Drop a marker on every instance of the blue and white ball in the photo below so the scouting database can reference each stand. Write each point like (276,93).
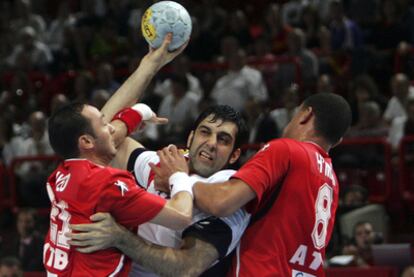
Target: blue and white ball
(166,17)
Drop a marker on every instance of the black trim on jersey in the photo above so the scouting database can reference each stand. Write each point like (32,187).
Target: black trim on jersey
(133,157)
(214,231)
(131,162)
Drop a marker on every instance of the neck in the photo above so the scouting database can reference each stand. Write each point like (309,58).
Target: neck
(103,161)
(320,142)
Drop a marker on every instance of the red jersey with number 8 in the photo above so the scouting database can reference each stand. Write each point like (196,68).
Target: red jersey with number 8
(290,239)
(79,188)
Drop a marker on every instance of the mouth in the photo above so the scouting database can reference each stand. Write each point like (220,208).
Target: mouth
(205,156)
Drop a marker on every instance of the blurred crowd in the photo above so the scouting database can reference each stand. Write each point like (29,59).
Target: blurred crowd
(261,57)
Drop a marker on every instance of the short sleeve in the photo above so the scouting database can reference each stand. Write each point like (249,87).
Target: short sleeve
(129,204)
(138,164)
(267,167)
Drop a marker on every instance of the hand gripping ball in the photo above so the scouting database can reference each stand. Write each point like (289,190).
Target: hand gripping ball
(166,17)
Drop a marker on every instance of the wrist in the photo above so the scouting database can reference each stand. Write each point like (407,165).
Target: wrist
(180,181)
(130,117)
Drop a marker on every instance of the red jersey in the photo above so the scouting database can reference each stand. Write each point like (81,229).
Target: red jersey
(79,188)
(290,239)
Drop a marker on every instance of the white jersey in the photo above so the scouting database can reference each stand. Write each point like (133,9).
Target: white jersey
(227,230)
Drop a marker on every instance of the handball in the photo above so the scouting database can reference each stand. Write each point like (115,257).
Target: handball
(166,17)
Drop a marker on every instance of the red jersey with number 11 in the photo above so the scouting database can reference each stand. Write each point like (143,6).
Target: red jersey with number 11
(77,190)
(290,239)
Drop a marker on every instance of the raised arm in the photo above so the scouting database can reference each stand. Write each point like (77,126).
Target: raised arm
(193,258)
(132,89)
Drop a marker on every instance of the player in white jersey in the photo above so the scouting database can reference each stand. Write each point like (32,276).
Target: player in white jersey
(227,230)
(213,145)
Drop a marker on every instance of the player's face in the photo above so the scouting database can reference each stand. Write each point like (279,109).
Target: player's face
(211,146)
(104,145)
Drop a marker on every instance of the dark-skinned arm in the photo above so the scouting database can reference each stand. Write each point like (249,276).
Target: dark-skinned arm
(222,199)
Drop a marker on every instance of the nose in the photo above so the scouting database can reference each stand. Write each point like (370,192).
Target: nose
(212,141)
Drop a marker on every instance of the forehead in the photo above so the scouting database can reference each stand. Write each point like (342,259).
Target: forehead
(219,125)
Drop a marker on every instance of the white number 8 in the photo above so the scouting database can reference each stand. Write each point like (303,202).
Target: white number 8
(323,214)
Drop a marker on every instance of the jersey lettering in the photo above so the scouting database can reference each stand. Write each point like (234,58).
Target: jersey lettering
(300,257)
(59,216)
(322,216)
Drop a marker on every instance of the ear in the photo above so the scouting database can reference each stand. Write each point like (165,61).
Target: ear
(86,142)
(190,139)
(235,156)
(306,115)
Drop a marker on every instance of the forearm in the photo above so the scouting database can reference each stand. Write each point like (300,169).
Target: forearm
(222,199)
(177,213)
(166,261)
(131,90)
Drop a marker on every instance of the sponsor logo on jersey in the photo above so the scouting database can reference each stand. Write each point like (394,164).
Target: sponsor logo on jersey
(62,181)
(296,273)
(122,187)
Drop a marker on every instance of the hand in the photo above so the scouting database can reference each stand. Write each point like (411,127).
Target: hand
(102,234)
(171,161)
(148,115)
(161,56)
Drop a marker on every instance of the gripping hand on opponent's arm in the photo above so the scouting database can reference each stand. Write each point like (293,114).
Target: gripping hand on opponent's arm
(171,161)
(102,234)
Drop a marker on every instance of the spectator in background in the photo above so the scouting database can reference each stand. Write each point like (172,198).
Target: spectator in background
(99,98)
(30,51)
(363,89)
(400,88)
(345,33)
(25,17)
(238,27)
(33,174)
(239,84)
(82,87)
(10,267)
(290,100)
(307,59)
(361,244)
(181,110)
(324,84)
(105,79)
(275,30)
(55,35)
(58,101)
(26,243)
(354,196)
(261,125)
(311,25)
(181,67)
(370,123)
(402,125)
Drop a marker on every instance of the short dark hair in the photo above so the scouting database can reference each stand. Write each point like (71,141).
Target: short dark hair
(332,115)
(66,125)
(226,114)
